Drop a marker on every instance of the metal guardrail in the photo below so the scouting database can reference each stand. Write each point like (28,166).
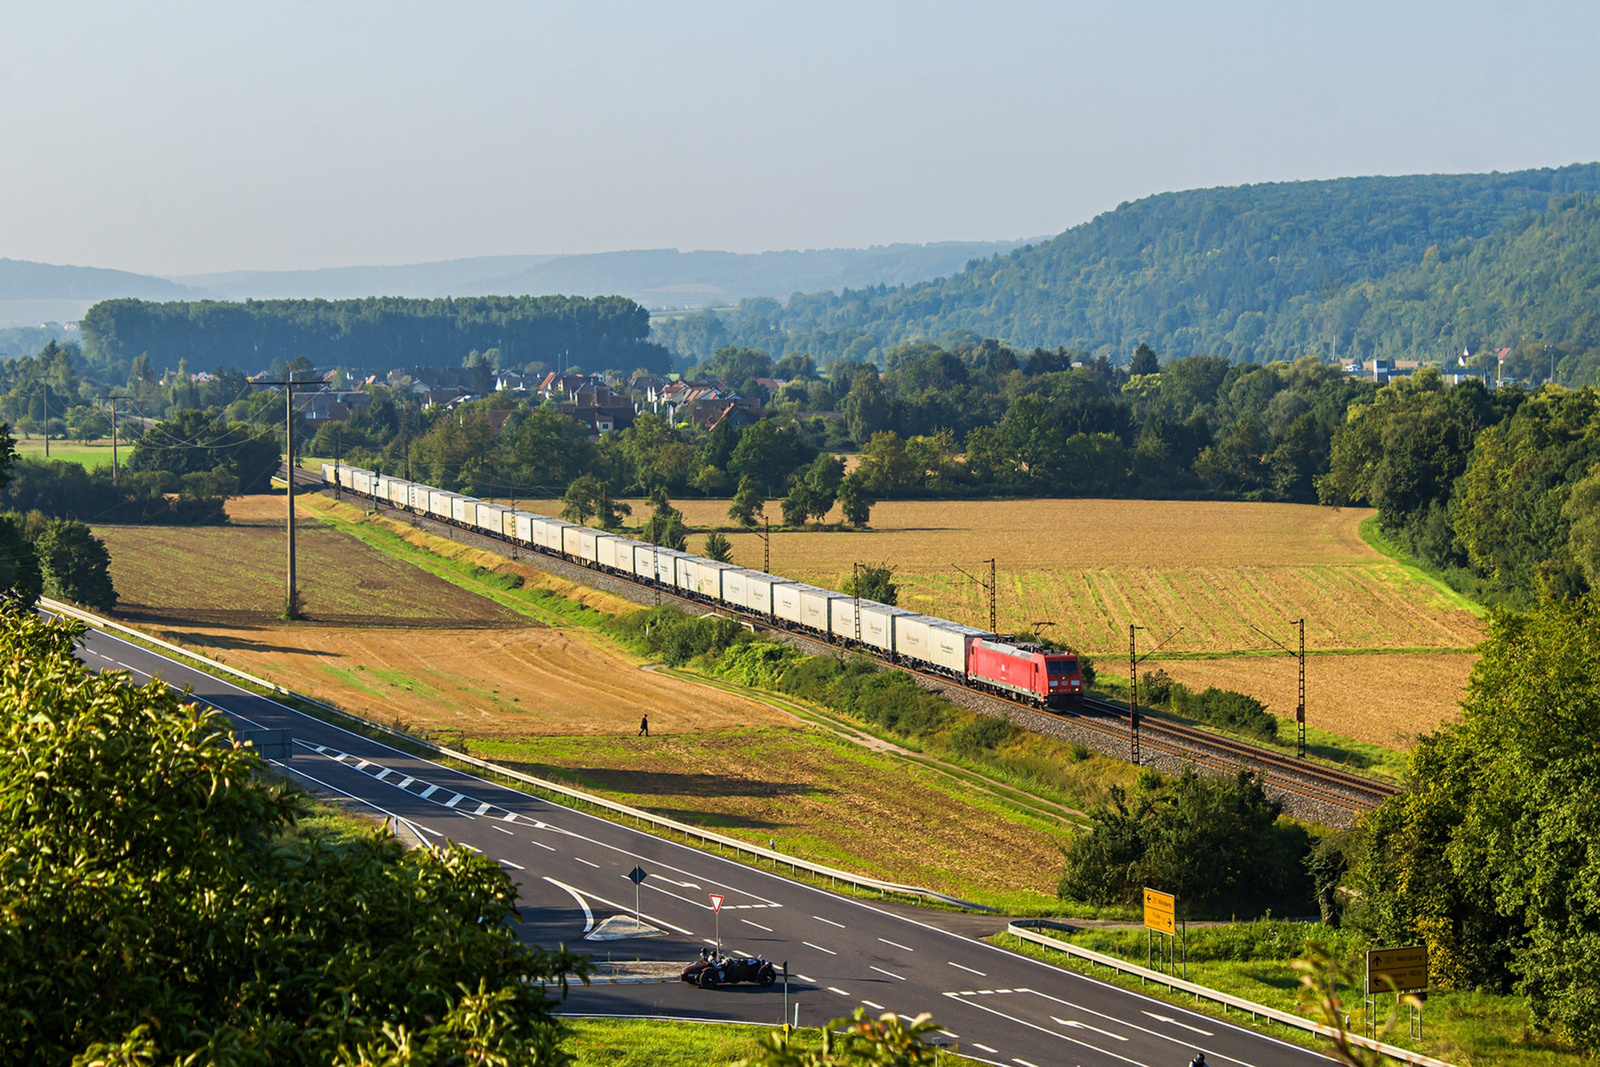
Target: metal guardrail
(794,863)
(1024,929)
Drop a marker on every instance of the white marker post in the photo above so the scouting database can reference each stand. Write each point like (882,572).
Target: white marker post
(716,911)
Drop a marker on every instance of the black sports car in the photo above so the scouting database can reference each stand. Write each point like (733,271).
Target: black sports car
(711,969)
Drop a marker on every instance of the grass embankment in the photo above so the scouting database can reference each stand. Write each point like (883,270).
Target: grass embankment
(1448,585)
(1253,961)
(656,1043)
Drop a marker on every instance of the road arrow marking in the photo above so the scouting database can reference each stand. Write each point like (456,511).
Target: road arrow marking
(1086,1026)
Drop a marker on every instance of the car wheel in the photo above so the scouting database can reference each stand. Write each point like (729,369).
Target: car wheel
(708,978)
(768,976)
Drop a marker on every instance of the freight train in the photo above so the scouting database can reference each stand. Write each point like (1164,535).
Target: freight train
(975,658)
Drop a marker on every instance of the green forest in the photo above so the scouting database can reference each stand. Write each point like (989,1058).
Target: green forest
(1406,267)
(372,335)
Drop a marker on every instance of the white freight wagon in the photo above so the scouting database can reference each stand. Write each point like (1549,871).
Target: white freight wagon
(464,509)
(419,497)
(363,482)
(522,526)
(399,492)
(439,503)
(491,518)
(736,588)
(703,576)
(759,588)
(877,622)
(616,553)
(937,641)
(803,605)
(327,474)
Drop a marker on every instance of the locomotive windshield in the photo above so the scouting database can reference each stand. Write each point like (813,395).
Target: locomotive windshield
(1064,665)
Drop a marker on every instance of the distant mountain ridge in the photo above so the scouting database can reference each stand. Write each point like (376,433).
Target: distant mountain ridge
(1250,272)
(655,278)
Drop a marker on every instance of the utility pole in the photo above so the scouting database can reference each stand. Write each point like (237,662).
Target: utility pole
(1300,704)
(113,399)
(766,544)
(855,589)
(1133,695)
(291,603)
(990,587)
(1134,659)
(44,402)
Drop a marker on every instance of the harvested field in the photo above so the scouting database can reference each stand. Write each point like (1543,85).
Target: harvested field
(818,798)
(501,683)
(1091,567)
(233,576)
(1388,700)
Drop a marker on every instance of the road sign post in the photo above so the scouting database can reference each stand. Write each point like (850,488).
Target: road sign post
(1161,917)
(637,877)
(716,912)
(1398,971)
(786,994)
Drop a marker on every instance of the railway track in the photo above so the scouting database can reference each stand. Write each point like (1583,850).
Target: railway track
(1339,789)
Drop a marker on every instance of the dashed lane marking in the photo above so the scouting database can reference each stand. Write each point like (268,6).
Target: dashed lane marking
(830,922)
(969,970)
(896,944)
(586,863)
(819,948)
(758,926)
(836,989)
(873,1006)
(503,830)
(891,974)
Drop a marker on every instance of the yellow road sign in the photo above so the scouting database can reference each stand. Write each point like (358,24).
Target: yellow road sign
(1397,969)
(1160,911)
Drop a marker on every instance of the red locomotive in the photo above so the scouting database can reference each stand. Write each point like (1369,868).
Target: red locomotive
(1050,678)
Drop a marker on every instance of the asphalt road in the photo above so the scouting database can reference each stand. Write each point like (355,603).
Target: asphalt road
(572,869)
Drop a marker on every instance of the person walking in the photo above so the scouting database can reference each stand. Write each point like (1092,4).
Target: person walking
(644,726)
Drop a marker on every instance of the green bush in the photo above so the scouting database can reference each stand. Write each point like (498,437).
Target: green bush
(980,735)
(1216,843)
(1226,709)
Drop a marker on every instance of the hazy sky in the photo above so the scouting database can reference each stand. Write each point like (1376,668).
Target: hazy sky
(172,138)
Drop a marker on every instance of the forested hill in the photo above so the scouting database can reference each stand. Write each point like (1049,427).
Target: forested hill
(1248,272)
(372,335)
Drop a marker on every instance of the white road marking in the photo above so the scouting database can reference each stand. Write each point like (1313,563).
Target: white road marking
(1135,1026)
(588,916)
(969,970)
(481,808)
(836,989)
(986,1048)
(381,775)
(758,926)
(503,830)
(514,866)
(830,922)
(453,801)
(1086,1026)
(363,765)
(428,792)
(896,944)
(682,885)
(875,1007)
(804,978)
(625,908)
(1025,1063)
(510,816)
(586,863)
(891,974)
(541,844)
(404,782)
(1053,1033)
(1174,1022)
(819,948)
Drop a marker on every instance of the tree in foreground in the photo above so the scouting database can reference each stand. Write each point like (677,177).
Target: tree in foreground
(1488,858)
(161,902)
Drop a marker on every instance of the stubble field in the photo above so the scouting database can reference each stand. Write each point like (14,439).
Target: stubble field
(1201,576)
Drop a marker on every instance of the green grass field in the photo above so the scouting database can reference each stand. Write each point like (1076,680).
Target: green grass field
(655,1043)
(92,455)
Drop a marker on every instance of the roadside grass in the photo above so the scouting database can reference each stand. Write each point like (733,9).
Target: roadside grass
(818,797)
(1252,960)
(599,1042)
